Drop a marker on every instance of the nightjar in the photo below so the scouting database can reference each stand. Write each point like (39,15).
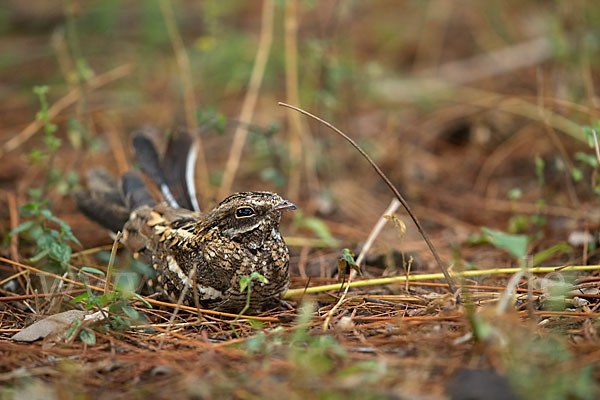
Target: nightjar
(203,255)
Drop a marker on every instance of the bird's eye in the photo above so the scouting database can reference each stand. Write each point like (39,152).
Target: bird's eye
(244,212)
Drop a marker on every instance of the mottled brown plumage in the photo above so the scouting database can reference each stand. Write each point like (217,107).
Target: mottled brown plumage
(203,255)
(239,237)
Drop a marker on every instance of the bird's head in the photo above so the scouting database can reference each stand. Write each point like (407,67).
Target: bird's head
(248,213)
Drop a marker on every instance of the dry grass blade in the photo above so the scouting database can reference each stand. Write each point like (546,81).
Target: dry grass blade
(14,222)
(291,88)
(258,71)
(394,204)
(596,147)
(183,63)
(393,188)
(113,253)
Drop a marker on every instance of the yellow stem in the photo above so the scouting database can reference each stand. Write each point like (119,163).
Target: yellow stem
(386,281)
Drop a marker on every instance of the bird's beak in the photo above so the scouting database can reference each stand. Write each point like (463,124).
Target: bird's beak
(285,205)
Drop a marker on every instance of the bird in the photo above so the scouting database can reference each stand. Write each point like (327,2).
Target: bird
(201,258)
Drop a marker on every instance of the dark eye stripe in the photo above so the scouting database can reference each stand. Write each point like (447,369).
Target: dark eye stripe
(244,212)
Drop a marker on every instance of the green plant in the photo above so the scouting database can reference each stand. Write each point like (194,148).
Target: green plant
(589,161)
(49,242)
(531,363)
(246,286)
(114,304)
(314,355)
(246,283)
(63,181)
(39,156)
(517,245)
(347,261)
(50,234)
(209,118)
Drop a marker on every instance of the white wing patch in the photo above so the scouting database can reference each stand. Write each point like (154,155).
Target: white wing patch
(174,267)
(204,292)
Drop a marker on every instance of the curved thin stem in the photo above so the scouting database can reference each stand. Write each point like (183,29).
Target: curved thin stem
(438,260)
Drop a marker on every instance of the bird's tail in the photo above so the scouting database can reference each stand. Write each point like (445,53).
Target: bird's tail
(110,203)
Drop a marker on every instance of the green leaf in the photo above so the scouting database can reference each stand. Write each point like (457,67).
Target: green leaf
(481,328)
(88,337)
(514,244)
(137,266)
(69,235)
(588,159)
(476,239)
(538,219)
(108,298)
(34,193)
(259,277)
(131,312)
(515,194)
(540,203)
(25,226)
(142,299)
(43,239)
(40,90)
(36,231)
(61,251)
(81,297)
(92,270)
(126,282)
(36,156)
(83,69)
(120,323)
(348,257)
(244,282)
(209,118)
(517,223)
(543,255)
(39,256)
(71,331)
(539,169)
(30,207)
(577,174)
(91,303)
(44,212)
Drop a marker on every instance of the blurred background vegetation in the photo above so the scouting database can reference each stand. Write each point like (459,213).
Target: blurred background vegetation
(431,89)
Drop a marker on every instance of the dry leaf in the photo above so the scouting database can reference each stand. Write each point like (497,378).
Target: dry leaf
(49,327)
